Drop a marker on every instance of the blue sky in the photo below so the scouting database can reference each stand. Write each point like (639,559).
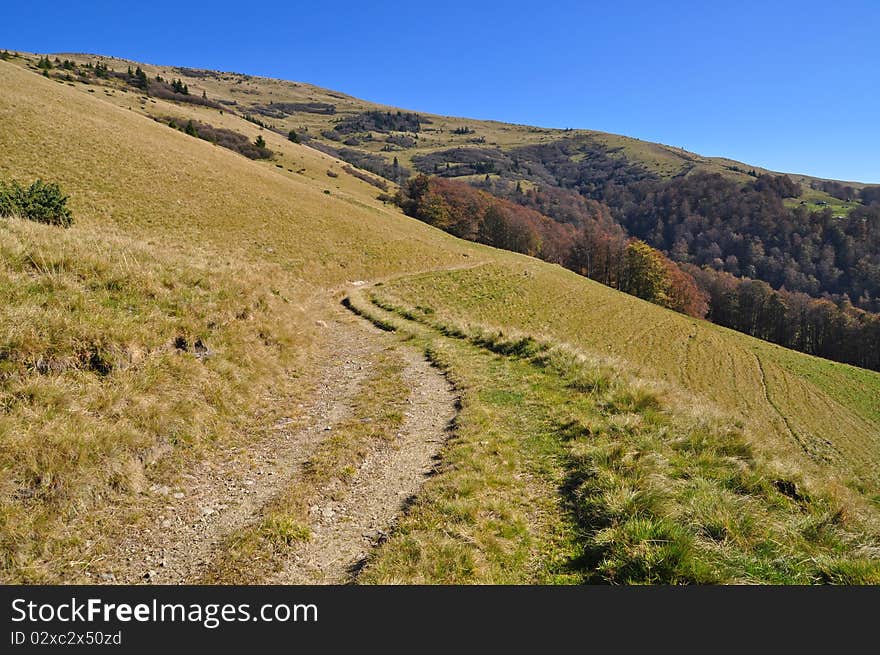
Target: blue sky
(792,86)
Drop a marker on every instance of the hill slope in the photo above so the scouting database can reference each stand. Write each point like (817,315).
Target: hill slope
(106,397)
(711,212)
(315,112)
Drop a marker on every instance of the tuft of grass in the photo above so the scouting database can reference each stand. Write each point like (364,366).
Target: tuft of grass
(379,322)
(282,532)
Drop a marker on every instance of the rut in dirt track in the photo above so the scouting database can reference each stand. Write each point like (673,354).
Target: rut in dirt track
(346,528)
(227,493)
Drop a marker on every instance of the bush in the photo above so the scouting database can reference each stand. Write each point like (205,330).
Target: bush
(365,160)
(40,202)
(369,179)
(378,121)
(222,137)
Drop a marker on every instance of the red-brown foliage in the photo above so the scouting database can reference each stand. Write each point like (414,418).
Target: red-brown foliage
(590,244)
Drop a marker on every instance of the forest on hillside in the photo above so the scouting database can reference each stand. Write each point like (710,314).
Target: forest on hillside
(705,219)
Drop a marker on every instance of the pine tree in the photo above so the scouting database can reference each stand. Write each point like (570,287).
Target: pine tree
(260,142)
(141,79)
(292,136)
(191,129)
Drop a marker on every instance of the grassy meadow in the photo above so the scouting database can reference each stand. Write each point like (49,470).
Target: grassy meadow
(118,365)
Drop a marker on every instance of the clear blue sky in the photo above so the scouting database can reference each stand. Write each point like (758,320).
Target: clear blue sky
(792,86)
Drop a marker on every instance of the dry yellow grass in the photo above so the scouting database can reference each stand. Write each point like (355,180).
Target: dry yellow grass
(118,365)
(123,169)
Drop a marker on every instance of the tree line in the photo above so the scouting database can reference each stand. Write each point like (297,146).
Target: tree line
(817,326)
(746,229)
(591,245)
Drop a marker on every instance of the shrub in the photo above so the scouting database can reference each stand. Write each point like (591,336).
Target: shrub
(222,137)
(401,140)
(40,202)
(369,179)
(378,121)
(307,107)
(365,160)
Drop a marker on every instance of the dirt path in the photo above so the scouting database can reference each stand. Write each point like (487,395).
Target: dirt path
(346,529)
(225,493)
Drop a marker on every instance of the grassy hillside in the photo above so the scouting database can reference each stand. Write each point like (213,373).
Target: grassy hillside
(567,469)
(313,111)
(183,311)
(174,238)
(796,404)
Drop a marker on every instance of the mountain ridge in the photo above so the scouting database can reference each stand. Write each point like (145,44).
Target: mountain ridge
(721,162)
